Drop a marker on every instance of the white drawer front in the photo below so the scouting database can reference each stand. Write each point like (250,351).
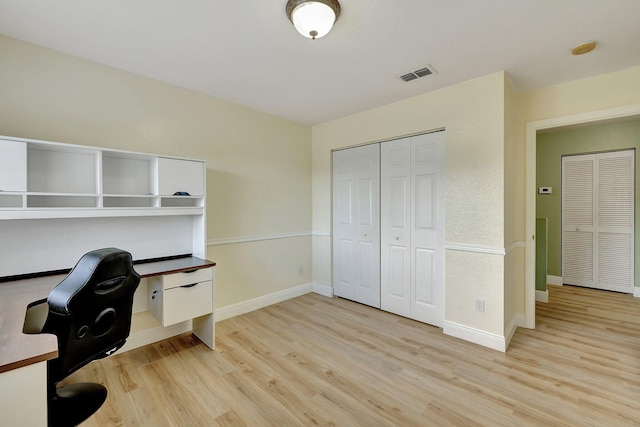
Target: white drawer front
(182,304)
(187,278)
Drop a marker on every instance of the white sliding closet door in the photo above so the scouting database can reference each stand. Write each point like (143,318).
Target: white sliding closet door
(412,227)
(356,224)
(598,210)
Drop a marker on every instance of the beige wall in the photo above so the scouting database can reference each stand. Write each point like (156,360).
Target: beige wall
(514,228)
(608,91)
(581,96)
(258,166)
(473,115)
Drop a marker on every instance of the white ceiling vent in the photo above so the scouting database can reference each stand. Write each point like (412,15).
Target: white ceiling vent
(422,72)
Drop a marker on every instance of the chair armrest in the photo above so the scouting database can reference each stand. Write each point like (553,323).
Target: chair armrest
(35,317)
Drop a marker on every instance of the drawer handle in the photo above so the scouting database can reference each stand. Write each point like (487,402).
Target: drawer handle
(189,286)
(190,271)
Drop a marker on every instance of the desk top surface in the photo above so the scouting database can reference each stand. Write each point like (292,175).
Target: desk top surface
(18,349)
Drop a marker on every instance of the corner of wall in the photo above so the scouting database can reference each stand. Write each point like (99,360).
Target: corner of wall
(476,336)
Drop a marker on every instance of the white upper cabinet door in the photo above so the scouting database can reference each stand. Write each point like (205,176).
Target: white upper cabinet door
(427,228)
(13,166)
(395,226)
(175,175)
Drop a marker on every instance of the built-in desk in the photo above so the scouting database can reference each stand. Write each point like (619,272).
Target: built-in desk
(23,357)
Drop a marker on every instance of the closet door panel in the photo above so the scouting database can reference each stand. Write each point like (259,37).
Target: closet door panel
(427,228)
(615,209)
(397,294)
(425,275)
(343,224)
(356,224)
(578,218)
(344,284)
(395,226)
(367,232)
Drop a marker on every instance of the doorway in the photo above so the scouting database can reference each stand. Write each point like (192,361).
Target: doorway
(532,129)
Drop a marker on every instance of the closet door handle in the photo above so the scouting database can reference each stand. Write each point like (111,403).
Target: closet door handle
(364,234)
(397,237)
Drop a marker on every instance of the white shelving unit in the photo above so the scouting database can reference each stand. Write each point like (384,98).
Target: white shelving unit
(58,201)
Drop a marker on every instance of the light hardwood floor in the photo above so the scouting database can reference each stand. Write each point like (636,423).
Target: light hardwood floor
(322,361)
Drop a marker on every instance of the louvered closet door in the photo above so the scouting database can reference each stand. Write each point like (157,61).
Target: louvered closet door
(578,218)
(356,224)
(615,226)
(598,220)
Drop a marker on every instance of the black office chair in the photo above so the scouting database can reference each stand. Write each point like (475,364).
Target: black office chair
(90,314)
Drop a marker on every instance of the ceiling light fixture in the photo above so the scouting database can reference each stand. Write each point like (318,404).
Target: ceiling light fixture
(313,18)
(583,48)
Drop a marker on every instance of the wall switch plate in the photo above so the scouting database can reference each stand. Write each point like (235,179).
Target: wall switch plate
(480,305)
(544,190)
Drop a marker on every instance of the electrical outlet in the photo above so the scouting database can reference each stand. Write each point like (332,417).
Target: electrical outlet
(300,271)
(480,305)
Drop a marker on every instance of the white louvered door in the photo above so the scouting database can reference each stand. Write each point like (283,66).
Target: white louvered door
(598,220)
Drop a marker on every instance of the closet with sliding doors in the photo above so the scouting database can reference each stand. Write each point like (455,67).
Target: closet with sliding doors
(388,226)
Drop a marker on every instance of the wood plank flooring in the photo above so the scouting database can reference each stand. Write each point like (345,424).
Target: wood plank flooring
(317,361)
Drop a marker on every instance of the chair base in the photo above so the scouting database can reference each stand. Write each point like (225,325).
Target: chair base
(74,403)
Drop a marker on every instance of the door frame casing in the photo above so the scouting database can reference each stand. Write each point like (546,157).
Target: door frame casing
(532,129)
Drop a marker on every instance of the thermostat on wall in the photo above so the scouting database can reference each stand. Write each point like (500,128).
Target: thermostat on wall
(544,190)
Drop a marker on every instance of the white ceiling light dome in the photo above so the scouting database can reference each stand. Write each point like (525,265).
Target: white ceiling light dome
(313,18)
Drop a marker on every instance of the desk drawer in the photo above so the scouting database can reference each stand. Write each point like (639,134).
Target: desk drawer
(187,278)
(184,303)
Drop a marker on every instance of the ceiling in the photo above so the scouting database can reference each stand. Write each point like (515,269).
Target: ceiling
(249,53)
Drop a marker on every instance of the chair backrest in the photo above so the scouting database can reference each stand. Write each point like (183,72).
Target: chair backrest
(90,310)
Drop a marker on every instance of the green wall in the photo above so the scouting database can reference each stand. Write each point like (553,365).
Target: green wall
(582,140)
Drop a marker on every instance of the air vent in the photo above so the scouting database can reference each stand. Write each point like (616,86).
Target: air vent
(409,77)
(422,72)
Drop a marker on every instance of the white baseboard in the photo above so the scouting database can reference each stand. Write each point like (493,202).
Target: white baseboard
(325,290)
(260,302)
(542,296)
(636,292)
(475,336)
(554,280)
(511,328)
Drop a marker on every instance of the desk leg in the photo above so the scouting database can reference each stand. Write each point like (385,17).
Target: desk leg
(204,327)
